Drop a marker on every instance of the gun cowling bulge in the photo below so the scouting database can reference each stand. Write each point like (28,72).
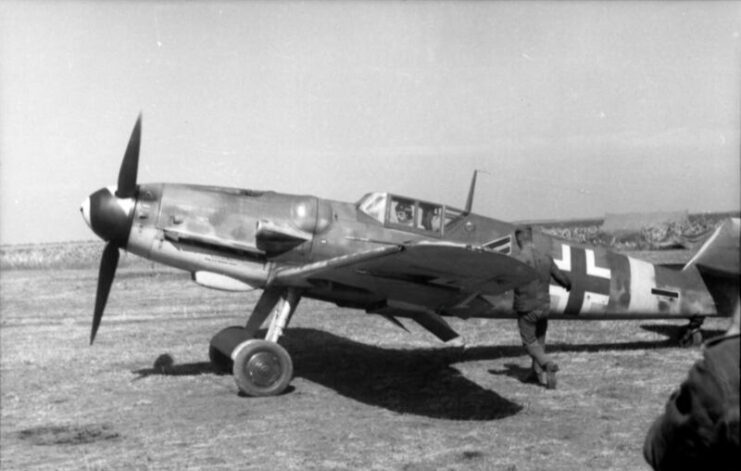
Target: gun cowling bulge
(311,215)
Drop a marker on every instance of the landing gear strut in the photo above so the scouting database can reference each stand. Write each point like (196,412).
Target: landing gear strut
(691,335)
(260,367)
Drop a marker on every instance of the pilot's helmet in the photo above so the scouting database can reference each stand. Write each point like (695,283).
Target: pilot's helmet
(404,211)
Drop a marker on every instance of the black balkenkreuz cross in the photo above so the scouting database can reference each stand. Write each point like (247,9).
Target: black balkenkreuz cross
(501,245)
(586,278)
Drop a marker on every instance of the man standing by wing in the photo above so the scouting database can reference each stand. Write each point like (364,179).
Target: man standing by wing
(532,304)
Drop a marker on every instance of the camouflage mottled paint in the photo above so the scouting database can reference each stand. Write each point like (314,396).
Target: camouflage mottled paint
(248,235)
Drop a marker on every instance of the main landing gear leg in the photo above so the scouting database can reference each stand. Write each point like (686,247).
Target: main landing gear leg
(223,343)
(260,367)
(691,335)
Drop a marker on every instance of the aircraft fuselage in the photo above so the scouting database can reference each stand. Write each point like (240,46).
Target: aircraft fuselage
(247,235)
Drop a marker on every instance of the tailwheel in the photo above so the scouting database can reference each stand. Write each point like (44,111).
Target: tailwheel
(262,368)
(690,338)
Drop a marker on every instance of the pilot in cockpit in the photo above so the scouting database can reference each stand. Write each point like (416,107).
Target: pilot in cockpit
(404,213)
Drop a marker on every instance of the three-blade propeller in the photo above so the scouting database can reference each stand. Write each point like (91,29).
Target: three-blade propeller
(107,219)
(106,273)
(130,163)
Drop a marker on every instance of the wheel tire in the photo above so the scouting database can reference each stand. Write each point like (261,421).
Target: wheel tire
(222,345)
(220,363)
(262,368)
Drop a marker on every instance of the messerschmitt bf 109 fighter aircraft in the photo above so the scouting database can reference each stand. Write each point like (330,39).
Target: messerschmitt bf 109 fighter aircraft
(391,255)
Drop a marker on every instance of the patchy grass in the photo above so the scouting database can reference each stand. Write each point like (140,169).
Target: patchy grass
(366,395)
(60,255)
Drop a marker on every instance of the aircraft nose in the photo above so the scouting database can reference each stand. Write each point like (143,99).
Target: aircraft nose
(108,216)
(85,211)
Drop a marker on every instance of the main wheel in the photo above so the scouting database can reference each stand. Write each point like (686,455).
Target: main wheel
(262,368)
(220,363)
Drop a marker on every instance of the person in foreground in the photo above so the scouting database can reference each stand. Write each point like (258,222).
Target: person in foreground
(699,427)
(532,303)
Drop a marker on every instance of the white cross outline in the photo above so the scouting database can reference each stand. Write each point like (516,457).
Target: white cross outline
(564,263)
(559,295)
(593,269)
(593,302)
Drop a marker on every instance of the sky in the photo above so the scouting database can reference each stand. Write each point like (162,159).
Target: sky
(574,109)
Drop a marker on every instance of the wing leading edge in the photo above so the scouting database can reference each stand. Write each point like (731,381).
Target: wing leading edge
(430,275)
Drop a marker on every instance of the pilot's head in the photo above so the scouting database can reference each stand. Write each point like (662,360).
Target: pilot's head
(403,212)
(523,235)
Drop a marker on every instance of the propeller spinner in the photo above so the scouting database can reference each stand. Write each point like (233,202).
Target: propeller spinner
(109,212)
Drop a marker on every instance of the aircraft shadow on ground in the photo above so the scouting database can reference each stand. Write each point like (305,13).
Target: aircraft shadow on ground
(418,381)
(165,365)
(410,381)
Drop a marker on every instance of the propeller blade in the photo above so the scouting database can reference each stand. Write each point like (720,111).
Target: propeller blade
(108,264)
(130,163)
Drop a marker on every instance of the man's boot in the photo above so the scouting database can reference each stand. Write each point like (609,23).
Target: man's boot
(550,375)
(537,374)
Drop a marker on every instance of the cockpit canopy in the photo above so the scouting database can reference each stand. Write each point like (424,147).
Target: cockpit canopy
(405,213)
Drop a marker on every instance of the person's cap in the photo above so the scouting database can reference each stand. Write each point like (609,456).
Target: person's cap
(527,230)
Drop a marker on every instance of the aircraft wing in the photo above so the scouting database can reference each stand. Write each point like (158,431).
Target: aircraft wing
(428,273)
(299,274)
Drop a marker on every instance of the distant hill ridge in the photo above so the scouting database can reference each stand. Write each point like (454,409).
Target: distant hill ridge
(578,222)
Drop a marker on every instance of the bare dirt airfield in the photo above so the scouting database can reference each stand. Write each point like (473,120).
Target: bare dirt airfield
(366,395)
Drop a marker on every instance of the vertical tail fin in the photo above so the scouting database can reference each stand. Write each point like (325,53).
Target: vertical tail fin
(718,262)
(720,252)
